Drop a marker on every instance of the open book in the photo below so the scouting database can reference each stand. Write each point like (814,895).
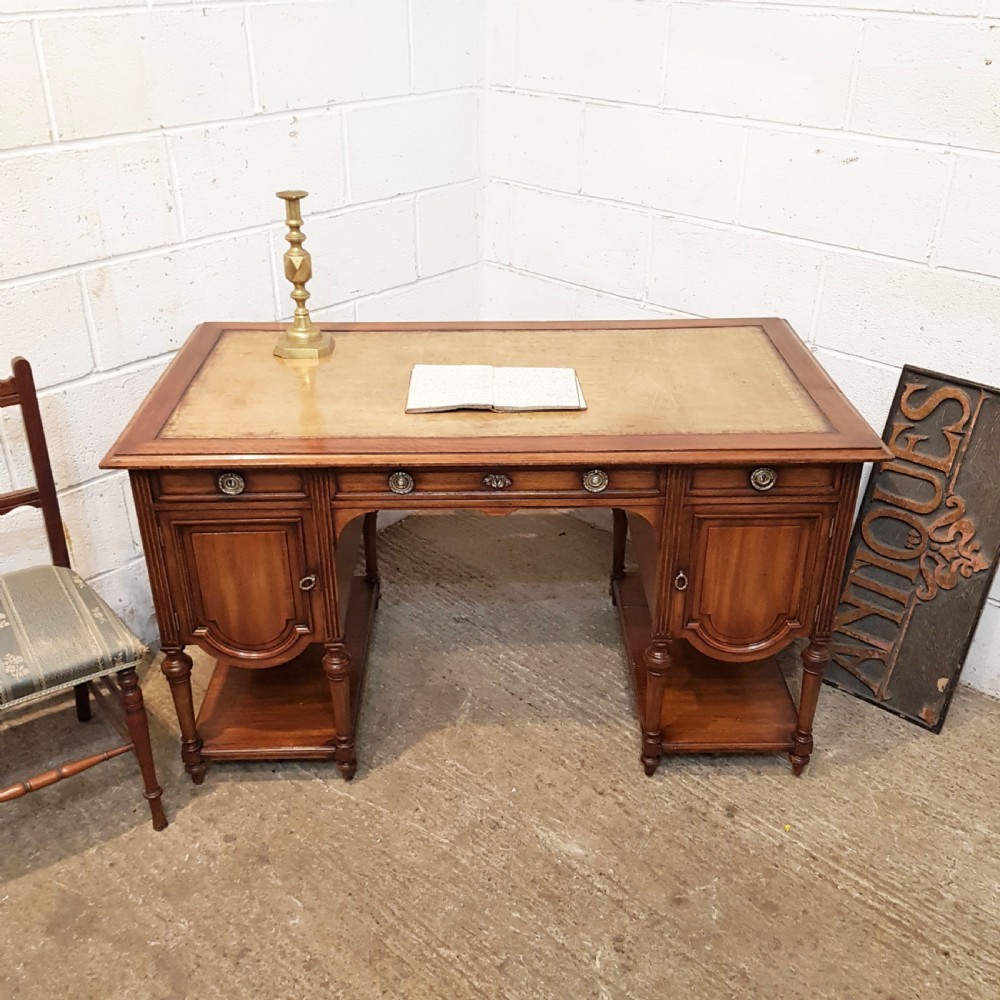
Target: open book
(434,388)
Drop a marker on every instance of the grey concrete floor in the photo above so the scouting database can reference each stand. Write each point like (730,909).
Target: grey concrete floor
(500,839)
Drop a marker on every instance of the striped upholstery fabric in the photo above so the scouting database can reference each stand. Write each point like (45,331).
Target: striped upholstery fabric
(56,632)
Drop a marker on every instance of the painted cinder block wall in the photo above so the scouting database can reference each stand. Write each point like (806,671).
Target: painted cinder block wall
(835,162)
(140,148)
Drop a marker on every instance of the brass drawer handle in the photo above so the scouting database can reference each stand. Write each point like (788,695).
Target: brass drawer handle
(497,481)
(681,581)
(401,482)
(763,479)
(595,481)
(307,582)
(231,483)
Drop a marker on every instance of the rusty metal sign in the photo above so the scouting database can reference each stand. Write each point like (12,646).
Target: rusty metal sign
(924,549)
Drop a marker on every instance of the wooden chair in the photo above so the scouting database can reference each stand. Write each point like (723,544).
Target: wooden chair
(56,633)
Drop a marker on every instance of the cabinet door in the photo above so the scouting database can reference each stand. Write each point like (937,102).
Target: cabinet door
(244,585)
(749,580)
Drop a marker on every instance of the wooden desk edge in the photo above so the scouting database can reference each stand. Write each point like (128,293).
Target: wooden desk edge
(333,460)
(850,439)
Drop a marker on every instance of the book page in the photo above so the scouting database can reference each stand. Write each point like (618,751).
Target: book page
(536,389)
(450,387)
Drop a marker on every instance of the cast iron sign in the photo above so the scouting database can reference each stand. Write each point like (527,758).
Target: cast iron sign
(924,549)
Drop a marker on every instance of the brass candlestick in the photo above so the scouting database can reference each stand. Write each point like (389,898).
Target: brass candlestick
(303,339)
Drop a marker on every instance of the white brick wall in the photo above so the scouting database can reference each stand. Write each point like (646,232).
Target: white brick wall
(833,161)
(255,157)
(25,120)
(535,139)
(836,162)
(772,65)
(599,48)
(447,230)
(70,205)
(682,163)
(850,193)
(764,275)
(141,144)
(586,242)
(94,63)
(972,217)
(399,147)
(956,103)
(317,54)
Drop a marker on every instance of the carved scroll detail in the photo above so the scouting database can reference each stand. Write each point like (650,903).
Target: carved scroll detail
(950,553)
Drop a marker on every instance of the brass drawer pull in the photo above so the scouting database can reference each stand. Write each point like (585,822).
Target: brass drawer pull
(231,483)
(497,481)
(595,481)
(681,581)
(307,582)
(763,479)
(401,482)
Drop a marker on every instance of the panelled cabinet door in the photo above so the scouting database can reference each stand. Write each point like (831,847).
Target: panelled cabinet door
(749,581)
(245,586)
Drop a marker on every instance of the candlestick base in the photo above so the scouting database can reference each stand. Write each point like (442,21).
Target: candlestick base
(291,346)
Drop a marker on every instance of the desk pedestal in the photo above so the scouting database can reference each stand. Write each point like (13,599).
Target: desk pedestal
(709,706)
(283,712)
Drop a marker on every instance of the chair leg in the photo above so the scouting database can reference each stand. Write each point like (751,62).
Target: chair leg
(82,692)
(138,730)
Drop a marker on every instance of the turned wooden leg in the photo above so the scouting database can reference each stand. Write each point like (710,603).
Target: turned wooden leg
(176,668)
(337,667)
(369,530)
(814,660)
(619,536)
(138,730)
(82,693)
(657,661)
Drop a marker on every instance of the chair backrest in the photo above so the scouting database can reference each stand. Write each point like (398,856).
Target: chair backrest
(19,390)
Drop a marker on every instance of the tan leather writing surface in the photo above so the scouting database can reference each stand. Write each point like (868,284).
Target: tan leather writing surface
(714,380)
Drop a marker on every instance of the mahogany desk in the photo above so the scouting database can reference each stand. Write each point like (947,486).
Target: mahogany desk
(721,446)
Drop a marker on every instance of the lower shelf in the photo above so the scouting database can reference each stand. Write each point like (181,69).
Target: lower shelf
(284,712)
(709,706)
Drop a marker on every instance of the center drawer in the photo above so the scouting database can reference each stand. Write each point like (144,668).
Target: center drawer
(488,481)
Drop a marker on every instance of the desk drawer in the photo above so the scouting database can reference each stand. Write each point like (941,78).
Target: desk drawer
(494,481)
(214,484)
(764,480)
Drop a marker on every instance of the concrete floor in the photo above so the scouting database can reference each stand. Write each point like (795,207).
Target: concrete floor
(500,839)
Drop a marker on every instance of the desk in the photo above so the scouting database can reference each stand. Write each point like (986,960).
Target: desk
(721,447)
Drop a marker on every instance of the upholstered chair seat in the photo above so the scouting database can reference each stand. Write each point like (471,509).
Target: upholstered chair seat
(55,633)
